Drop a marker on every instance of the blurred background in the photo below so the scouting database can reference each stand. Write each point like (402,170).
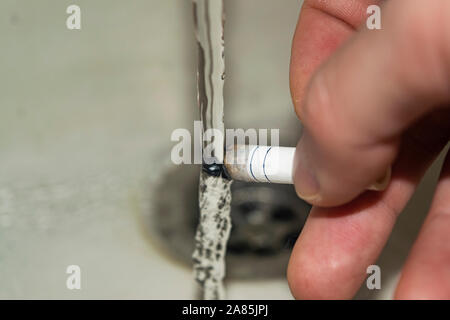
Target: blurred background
(85,172)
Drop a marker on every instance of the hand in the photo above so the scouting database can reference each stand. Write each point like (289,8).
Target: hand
(369,100)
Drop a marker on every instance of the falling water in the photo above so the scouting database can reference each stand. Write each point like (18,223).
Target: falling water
(214,190)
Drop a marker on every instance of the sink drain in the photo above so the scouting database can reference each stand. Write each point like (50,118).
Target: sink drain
(266,218)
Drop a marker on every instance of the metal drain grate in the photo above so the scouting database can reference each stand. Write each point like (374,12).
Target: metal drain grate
(267,220)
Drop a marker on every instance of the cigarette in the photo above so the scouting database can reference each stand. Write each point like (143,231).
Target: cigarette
(254,163)
(271,164)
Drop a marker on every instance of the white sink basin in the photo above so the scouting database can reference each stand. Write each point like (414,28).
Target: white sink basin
(85,125)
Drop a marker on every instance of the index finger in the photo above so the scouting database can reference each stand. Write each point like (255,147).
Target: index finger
(322,27)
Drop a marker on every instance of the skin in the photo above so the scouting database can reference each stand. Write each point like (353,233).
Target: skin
(370,100)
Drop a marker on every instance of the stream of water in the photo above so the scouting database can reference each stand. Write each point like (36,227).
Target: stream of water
(214,191)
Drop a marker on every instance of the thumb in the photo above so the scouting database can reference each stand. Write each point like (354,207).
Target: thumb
(366,95)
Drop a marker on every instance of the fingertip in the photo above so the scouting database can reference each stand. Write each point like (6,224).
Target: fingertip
(313,276)
(315,184)
(305,179)
(305,280)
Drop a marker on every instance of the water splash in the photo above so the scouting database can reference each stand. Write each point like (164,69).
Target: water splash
(214,191)
(212,234)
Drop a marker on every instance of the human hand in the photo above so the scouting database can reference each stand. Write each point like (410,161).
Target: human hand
(369,100)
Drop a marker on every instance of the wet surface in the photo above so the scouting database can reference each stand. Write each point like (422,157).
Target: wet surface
(266,220)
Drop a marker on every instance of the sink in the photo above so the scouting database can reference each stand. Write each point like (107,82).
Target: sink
(85,146)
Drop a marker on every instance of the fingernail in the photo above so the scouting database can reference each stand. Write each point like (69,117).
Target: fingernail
(382,183)
(306,183)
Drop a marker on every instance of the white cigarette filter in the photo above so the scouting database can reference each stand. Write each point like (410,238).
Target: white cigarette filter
(260,163)
(271,164)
